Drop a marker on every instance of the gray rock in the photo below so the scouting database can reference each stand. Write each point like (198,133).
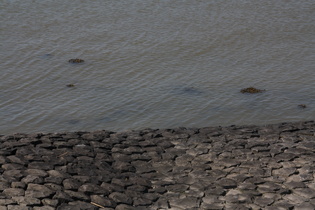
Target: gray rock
(71,184)
(21,200)
(50,202)
(38,191)
(125,207)
(14,192)
(120,198)
(103,201)
(77,195)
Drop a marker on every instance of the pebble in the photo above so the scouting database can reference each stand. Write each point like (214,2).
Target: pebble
(236,167)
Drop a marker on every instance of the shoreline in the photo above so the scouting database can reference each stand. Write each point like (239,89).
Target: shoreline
(233,167)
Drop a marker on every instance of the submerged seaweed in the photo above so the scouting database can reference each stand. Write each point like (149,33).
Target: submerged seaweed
(76,60)
(251,90)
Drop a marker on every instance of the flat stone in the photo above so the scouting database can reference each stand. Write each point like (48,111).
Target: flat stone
(227,183)
(62,197)
(142,202)
(294,199)
(12,175)
(125,207)
(304,206)
(38,191)
(12,166)
(26,200)
(33,179)
(71,184)
(18,207)
(18,185)
(187,203)
(36,172)
(120,198)
(305,192)
(14,192)
(5,202)
(103,201)
(4,185)
(93,188)
(43,208)
(77,195)
(50,202)
(263,201)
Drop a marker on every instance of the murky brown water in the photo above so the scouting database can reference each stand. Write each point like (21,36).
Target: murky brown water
(155,63)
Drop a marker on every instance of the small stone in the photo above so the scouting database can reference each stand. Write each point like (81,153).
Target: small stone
(50,202)
(4,185)
(21,200)
(33,179)
(19,207)
(187,203)
(38,191)
(43,208)
(62,197)
(77,195)
(36,172)
(14,192)
(227,183)
(18,185)
(304,206)
(13,166)
(263,201)
(12,175)
(71,184)
(120,198)
(93,188)
(103,201)
(124,207)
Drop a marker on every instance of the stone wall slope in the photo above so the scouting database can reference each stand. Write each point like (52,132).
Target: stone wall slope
(236,167)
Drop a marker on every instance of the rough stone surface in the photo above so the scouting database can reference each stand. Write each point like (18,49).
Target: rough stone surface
(236,167)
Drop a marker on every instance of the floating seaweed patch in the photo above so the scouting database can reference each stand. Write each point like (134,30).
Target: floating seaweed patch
(302,106)
(251,90)
(76,60)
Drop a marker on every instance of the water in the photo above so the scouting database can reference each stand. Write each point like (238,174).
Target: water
(157,63)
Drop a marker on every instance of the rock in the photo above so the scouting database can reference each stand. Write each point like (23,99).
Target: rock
(103,201)
(120,198)
(21,200)
(71,184)
(13,192)
(77,195)
(38,191)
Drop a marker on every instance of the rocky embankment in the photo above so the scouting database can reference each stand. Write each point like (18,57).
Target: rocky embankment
(236,167)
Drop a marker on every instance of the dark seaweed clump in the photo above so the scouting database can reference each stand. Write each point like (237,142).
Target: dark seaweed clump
(251,90)
(76,60)
(303,106)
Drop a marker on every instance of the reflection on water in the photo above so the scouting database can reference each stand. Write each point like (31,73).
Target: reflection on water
(154,64)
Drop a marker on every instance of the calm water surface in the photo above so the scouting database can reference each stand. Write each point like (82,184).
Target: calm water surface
(154,63)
